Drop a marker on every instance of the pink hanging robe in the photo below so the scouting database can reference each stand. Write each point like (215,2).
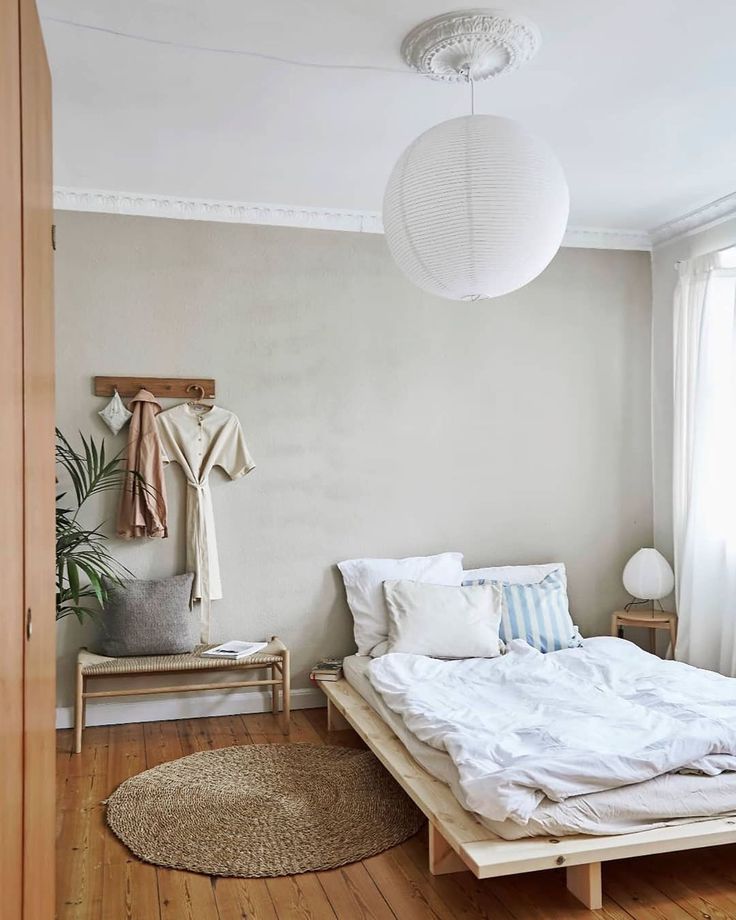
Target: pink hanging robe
(143,501)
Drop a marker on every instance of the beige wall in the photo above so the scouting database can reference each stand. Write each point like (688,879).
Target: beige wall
(383,421)
(664,279)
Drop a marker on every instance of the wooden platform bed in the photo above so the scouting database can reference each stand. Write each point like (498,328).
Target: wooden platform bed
(458,842)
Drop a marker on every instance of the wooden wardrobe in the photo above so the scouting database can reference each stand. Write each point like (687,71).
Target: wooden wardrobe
(27,483)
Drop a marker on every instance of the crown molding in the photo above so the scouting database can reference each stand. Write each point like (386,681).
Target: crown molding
(233,212)
(239,212)
(709,215)
(606,238)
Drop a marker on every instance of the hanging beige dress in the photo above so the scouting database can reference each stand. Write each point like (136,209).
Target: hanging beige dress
(198,439)
(142,511)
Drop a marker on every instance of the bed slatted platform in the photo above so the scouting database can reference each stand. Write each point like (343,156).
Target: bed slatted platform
(457,841)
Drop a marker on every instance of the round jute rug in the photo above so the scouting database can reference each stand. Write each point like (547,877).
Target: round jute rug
(263,810)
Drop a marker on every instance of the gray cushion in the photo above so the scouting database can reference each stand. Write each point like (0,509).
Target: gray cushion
(148,618)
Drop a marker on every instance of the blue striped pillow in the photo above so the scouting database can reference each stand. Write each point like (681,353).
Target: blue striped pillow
(538,613)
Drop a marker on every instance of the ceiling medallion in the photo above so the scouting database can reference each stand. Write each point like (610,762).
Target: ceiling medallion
(488,42)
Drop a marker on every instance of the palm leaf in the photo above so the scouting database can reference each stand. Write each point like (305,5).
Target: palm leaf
(71,462)
(72,573)
(95,582)
(84,562)
(79,612)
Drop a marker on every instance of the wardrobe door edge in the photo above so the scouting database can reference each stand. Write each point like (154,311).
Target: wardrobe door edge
(11,466)
(39,443)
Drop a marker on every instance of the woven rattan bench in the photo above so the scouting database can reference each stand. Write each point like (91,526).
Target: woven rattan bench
(274,659)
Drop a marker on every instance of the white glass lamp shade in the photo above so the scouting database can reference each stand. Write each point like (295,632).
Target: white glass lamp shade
(475,207)
(648,575)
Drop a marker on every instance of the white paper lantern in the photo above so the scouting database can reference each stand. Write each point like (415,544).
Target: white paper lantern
(475,207)
(648,575)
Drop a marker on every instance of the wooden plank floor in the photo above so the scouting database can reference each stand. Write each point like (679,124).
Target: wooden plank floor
(98,879)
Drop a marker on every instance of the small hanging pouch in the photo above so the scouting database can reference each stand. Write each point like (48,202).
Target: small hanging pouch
(115,415)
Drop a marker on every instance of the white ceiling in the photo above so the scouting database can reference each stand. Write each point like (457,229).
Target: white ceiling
(637,97)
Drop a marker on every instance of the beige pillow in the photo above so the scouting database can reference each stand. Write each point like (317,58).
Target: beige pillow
(444,621)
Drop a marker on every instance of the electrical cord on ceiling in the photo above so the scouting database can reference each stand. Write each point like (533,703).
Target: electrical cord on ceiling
(315,65)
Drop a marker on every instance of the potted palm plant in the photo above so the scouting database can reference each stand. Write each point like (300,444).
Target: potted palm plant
(83,560)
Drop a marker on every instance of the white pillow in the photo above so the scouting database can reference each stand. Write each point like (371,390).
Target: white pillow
(514,574)
(364,580)
(442,621)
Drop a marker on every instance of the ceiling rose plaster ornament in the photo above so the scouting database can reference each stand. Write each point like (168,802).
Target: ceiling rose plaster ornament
(489,42)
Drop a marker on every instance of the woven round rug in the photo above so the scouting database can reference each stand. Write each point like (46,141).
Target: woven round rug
(263,810)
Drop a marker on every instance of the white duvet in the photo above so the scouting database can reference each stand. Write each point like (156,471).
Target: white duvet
(526,726)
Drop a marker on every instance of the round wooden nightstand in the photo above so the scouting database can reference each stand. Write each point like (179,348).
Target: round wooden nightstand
(647,619)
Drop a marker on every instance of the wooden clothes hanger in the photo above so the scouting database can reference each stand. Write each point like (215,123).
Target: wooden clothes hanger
(199,402)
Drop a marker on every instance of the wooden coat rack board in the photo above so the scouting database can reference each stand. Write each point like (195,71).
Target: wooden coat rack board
(167,387)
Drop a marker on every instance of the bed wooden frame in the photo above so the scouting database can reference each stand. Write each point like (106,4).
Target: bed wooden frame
(457,841)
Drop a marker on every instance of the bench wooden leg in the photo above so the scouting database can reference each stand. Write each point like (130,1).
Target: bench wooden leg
(336,721)
(286,691)
(79,711)
(442,858)
(275,675)
(585,882)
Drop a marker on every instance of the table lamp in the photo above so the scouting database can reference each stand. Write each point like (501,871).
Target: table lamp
(648,577)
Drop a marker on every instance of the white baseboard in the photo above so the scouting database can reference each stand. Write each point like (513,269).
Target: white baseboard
(187,706)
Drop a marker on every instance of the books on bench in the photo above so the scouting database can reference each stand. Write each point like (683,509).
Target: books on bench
(234,650)
(327,669)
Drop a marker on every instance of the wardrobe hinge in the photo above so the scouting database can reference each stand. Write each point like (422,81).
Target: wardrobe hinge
(29,624)
(53,237)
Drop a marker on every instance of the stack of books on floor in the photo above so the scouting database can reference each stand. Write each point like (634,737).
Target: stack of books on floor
(327,669)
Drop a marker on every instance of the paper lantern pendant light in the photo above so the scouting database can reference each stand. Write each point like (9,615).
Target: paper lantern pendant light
(477,206)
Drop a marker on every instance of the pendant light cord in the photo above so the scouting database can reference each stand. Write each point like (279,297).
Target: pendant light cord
(238,52)
(465,71)
(242,52)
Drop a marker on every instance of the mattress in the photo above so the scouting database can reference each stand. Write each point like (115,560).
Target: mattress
(667,800)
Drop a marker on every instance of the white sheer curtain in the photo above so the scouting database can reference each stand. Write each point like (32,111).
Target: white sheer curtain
(704,461)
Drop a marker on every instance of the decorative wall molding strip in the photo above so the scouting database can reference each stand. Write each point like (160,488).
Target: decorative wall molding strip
(603,238)
(238,212)
(715,212)
(234,212)
(116,711)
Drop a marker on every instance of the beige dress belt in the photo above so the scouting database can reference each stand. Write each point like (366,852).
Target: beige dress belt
(201,541)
